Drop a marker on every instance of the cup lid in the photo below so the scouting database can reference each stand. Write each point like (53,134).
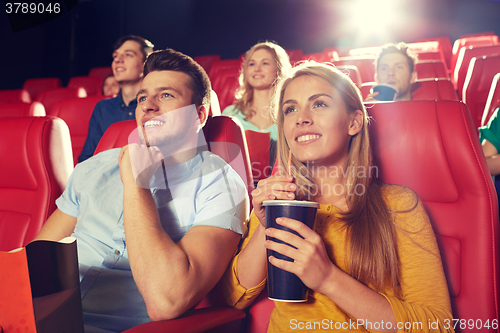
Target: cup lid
(290,203)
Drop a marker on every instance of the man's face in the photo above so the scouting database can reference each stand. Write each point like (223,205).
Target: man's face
(393,69)
(127,62)
(164,110)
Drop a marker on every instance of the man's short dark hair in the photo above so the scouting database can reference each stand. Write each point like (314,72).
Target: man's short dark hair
(171,60)
(146,45)
(401,48)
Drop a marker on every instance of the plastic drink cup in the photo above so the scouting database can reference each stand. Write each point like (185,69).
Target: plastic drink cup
(385,92)
(282,285)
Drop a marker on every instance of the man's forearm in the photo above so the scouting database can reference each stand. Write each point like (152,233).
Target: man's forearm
(159,266)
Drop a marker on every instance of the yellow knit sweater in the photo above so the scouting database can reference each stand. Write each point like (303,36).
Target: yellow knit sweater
(423,307)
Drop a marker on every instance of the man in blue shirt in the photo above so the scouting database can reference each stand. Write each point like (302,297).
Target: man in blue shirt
(156,223)
(129,55)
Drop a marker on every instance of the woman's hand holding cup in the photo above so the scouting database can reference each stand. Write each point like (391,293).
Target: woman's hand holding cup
(279,187)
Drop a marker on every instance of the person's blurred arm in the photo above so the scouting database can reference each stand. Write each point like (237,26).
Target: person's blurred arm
(58,226)
(492,157)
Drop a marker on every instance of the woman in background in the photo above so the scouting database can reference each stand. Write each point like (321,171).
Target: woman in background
(263,64)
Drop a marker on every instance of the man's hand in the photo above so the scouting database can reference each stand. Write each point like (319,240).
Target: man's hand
(138,163)
(370,97)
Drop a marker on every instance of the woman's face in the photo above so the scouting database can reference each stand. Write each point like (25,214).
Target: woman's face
(261,70)
(316,124)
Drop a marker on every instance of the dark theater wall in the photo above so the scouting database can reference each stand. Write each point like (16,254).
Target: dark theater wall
(82,38)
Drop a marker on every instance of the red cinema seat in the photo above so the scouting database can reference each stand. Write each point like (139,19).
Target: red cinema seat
(493,101)
(365,65)
(34,109)
(76,112)
(36,164)
(334,53)
(471,41)
(50,97)
(444,45)
(226,97)
(36,86)
(477,34)
(431,69)
(353,72)
(219,82)
(100,71)
(463,61)
(15,96)
(434,89)
(478,83)
(318,57)
(259,150)
(91,84)
(218,65)
(295,54)
(206,61)
(431,147)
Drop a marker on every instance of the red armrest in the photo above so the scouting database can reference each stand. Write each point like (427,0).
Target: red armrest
(198,320)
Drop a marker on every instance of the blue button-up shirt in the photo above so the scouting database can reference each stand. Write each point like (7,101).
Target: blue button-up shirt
(106,112)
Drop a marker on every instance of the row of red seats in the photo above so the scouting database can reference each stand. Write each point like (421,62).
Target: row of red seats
(49,90)
(421,154)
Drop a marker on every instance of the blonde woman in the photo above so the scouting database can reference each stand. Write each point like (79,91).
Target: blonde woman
(263,64)
(372,256)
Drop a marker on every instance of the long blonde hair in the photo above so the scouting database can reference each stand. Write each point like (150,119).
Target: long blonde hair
(244,93)
(373,257)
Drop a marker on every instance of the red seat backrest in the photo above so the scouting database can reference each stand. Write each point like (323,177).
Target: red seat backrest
(206,61)
(478,83)
(493,101)
(36,164)
(294,54)
(36,86)
(435,89)
(431,147)
(15,96)
(219,81)
(224,136)
(365,65)
(463,60)
(50,97)
(101,71)
(259,150)
(353,72)
(470,41)
(35,109)
(76,112)
(226,96)
(223,64)
(444,45)
(431,69)
(91,84)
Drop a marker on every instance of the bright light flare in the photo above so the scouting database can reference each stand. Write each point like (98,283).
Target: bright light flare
(377,18)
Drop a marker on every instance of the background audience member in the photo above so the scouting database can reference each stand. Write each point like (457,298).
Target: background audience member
(128,57)
(364,258)
(110,86)
(153,240)
(395,66)
(263,64)
(490,142)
